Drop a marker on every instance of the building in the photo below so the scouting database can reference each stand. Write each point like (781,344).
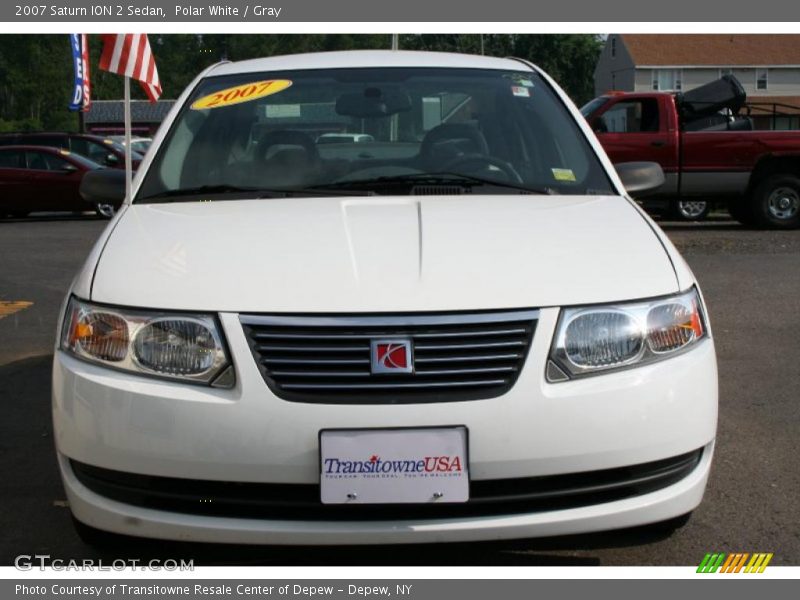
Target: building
(768,66)
(107,117)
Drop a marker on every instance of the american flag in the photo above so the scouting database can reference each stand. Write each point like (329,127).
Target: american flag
(129,54)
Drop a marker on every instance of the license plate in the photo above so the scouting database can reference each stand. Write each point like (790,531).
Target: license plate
(394,466)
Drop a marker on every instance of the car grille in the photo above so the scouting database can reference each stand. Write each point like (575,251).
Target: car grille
(302,502)
(327,359)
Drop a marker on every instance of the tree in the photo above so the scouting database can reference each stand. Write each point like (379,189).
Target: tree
(36,70)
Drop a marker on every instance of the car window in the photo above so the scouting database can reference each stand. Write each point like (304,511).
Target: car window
(593,105)
(140,146)
(634,116)
(336,127)
(43,161)
(11,159)
(90,149)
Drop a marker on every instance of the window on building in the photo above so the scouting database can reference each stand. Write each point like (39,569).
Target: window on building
(635,116)
(726,71)
(762,79)
(667,80)
(613,47)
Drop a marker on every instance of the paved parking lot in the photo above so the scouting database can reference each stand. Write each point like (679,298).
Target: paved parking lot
(752,283)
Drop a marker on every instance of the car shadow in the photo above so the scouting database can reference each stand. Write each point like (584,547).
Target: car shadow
(35,518)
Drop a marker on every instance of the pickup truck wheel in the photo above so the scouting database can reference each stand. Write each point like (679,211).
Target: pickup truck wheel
(777,202)
(692,210)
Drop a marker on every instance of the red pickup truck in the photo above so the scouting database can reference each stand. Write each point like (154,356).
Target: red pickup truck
(707,155)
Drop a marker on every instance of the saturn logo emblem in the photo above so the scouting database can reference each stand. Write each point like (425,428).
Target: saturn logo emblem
(391,356)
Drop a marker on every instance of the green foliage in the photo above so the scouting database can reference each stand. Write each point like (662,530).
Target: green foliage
(36,70)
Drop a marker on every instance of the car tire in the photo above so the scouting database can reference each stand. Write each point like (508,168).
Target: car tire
(691,210)
(776,202)
(105,210)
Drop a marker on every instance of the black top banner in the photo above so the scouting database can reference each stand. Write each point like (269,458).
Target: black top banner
(449,11)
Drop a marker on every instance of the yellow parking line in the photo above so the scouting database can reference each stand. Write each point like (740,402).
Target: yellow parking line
(9,308)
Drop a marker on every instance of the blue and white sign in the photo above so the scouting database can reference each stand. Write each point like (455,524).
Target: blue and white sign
(77,102)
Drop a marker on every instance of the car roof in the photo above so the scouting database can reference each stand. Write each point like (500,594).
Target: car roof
(368,58)
(34,148)
(49,133)
(71,157)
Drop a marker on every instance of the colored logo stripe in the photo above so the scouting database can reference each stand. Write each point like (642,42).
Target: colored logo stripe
(758,563)
(733,563)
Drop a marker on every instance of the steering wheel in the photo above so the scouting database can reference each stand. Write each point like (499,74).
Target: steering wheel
(482,160)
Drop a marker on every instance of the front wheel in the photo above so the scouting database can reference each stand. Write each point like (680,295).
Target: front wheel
(776,202)
(105,210)
(692,210)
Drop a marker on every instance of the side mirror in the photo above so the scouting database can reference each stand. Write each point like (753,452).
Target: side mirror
(104,186)
(111,160)
(600,126)
(640,178)
(69,169)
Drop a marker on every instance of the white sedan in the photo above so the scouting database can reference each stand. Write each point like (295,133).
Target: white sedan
(460,328)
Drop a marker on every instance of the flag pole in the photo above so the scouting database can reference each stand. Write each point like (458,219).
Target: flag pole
(128,159)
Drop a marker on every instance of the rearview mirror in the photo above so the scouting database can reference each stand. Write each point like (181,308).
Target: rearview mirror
(640,178)
(373,102)
(104,186)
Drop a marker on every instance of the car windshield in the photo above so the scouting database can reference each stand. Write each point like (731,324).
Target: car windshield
(376,131)
(592,106)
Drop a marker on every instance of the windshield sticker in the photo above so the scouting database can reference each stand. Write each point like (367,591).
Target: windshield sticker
(241,93)
(521,91)
(282,111)
(563,174)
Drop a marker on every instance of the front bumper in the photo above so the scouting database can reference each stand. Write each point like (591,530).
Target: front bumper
(130,424)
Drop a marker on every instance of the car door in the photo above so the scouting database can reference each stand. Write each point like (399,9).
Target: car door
(632,129)
(14,181)
(55,182)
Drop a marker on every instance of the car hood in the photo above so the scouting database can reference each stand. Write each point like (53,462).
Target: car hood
(382,254)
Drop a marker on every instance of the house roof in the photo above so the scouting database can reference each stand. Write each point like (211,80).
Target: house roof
(142,111)
(713,49)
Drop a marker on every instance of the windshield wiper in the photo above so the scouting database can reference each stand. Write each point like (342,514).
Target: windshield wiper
(442,178)
(235,192)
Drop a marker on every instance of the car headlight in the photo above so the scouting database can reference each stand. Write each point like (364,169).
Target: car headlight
(186,347)
(596,339)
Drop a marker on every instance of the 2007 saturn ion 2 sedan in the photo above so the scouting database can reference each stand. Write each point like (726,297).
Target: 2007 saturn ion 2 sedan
(458,328)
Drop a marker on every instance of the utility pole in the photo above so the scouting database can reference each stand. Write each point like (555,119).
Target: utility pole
(395,41)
